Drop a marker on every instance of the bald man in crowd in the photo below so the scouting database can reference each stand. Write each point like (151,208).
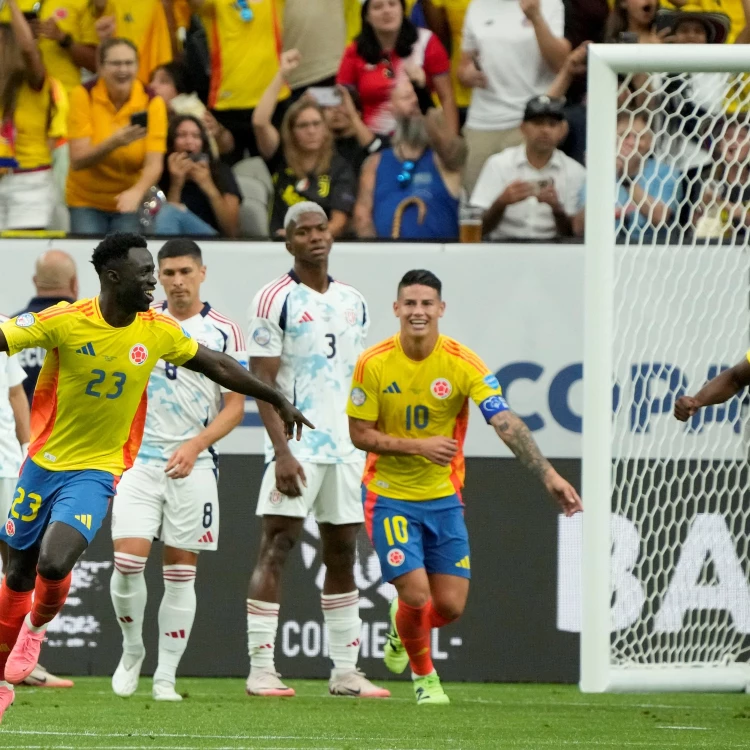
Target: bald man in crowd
(55,280)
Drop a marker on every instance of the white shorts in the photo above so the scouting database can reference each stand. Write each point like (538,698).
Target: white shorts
(27,199)
(7,491)
(333,494)
(182,513)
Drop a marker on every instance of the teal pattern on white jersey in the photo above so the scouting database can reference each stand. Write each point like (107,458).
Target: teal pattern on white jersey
(11,373)
(318,338)
(181,402)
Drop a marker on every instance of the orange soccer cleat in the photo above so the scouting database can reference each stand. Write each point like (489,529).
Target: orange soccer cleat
(25,655)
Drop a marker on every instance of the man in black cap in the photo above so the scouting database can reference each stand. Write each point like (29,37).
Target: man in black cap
(533,190)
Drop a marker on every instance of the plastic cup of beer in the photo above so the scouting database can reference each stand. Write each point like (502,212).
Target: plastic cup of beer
(470,223)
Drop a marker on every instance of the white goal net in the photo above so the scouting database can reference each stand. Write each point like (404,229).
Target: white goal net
(667,603)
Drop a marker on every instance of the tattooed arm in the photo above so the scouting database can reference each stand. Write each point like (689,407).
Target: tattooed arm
(516,435)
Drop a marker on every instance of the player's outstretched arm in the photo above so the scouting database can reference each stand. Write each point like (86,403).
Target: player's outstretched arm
(367,437)
(718,390)
(516,435)
(224,370)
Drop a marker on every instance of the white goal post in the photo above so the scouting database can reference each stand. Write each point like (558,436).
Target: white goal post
(666,527)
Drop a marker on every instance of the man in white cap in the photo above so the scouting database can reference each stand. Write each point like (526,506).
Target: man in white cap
(306,332)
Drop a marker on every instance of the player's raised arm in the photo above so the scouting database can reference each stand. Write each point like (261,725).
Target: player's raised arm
(517,436)
(718,390)
(224,370)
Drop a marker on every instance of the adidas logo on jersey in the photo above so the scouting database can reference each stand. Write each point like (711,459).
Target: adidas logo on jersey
(392,388)
(464,563)
(88,350)
(306,318)
(207,537)
(85,519)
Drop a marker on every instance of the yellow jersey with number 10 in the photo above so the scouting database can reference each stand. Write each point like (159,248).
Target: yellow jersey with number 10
(89,405)
(411,399)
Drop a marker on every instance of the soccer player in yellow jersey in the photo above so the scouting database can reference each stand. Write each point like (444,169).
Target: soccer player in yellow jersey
(87,420)
(408,408)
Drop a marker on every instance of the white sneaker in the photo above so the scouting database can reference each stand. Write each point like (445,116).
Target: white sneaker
(124,680)
(267,682)
(355,685)
(164,691)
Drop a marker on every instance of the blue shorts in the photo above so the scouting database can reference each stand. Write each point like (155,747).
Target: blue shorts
(77,498)
(407,535)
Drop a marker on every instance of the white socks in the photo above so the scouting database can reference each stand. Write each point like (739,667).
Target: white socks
(341,614)
(128,590)
(262,623)
(176,615)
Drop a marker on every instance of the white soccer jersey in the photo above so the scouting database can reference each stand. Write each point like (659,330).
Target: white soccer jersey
(318,338)
(181,402)
(11,373)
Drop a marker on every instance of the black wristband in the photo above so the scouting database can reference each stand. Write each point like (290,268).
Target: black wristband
(66,42)
(424,97)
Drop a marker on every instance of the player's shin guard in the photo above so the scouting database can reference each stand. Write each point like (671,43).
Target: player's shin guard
(414,630)
(127,588)
(341,615)
(176,615)
(262,624)
(14,606)
(49,598)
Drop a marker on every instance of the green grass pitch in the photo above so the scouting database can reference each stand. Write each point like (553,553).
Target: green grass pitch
(217,715)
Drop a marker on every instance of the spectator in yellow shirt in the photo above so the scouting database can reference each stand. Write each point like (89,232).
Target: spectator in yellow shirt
(67,39)
(149,24)
(117,135)
(245,43)
(32,116)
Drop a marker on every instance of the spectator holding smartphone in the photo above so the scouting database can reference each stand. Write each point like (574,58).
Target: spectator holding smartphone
(33,109)
(117,133)
(532,191)
(203,197)
(302,160)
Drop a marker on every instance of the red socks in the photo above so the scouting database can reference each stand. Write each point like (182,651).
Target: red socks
(434,617)
(49,598)
(413,628)
(14,606)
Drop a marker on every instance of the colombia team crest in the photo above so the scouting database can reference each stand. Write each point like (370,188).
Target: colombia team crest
(396,557)
(10,527)
(441,388)
(138,354)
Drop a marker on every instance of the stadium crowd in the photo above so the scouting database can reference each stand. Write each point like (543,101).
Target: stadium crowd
(401,118)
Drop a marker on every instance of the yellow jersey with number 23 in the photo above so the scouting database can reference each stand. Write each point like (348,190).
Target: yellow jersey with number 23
(423,399)
(89,405)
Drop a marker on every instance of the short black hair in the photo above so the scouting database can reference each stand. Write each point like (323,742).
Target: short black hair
(115,247)
(116,41)
(423,278)
(177,72)
(179,247)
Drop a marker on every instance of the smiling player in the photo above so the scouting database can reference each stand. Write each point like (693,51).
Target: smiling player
(86,426)
(408,408)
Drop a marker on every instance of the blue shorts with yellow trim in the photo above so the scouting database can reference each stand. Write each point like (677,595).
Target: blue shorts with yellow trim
(408,535)
(77,498)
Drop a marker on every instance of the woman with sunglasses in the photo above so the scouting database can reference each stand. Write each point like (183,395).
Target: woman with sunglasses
(374,60)
(302,159)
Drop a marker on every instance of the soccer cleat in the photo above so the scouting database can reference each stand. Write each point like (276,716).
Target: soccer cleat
(40,677)
(429,691)
(7,696)
(267,683)
(394,653)
(164,691)
(125,680)
(356,685)
(24,656)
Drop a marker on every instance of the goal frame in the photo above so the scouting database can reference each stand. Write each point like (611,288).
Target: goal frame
(597,673)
